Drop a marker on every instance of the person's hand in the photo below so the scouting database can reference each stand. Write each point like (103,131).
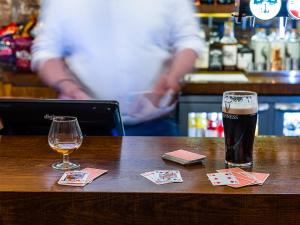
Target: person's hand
(76,95)
(71,90)
(165,87)
(165,83)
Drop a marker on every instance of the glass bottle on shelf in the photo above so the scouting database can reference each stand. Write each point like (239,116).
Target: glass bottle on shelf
(276,60)
(222,2)
(229,47)
(5,12)
(245,56)
(202,62)
(212,120)
(196,2)
(200,124)
(192,124)
(277,50)
(293,49)
(260,45)
(225,2)
(220,128)
(208,2)
(215,51)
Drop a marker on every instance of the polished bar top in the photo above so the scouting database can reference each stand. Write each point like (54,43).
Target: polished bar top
(266,83)
(29,193)
(26,164)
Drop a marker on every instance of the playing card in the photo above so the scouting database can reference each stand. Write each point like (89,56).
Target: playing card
(157,178)
(76,178)
(259,178)
(151,175)
(246,178)
(93,173)
(222,178)
(163,176)
(235,170)
(242,181)
(186,155)
(168,176)
(183,157)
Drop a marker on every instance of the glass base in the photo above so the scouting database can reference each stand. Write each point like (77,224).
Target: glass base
(65,166)
(245,165)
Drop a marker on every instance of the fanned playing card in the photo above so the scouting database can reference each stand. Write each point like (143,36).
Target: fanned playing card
(246,178)
(259,178)
(222,178)
(93,173)
(80,178)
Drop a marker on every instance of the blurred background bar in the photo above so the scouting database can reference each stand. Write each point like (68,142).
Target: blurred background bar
(264,58)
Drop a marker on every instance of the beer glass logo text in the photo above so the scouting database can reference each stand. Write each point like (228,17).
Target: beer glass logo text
(230,116)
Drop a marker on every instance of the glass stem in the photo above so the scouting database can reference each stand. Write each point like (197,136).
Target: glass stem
(65,158)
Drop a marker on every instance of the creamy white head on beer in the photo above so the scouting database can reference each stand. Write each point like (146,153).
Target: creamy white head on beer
(240,102)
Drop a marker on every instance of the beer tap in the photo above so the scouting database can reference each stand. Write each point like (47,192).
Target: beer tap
(282,26)
(252,21)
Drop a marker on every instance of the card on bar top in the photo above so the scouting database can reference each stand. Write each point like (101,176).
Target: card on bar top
(74,178)
(80,178)
(246,178)
(183,157)
(163,176)
(93,173)
(226,178)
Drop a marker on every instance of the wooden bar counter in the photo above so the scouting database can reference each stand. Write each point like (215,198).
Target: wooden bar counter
(29,193)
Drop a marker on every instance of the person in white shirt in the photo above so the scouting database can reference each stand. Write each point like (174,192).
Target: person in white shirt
(132,51)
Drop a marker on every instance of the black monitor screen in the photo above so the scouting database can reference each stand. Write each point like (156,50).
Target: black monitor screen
(33,116)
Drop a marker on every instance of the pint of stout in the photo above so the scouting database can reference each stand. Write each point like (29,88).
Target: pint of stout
(239,120)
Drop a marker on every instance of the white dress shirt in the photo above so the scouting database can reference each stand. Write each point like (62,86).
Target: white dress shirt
(117,48)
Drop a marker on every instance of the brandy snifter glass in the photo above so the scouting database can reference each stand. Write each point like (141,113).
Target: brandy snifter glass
(65,137)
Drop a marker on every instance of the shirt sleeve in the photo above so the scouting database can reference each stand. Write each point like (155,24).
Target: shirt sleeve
(185,30)
(49,42)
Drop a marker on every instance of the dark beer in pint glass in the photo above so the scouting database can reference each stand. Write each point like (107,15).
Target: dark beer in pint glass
(239,109)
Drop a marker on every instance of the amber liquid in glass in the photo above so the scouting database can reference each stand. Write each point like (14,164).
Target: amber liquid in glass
(65,148)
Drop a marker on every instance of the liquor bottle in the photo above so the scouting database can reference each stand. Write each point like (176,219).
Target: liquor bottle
(211,130)
(215,51)
(225,2)
(229,47)
(208,2)
(222,2)
(200,124)
(260,45)
(276,60)
(196,2)
(245,56)
(202,62)
(230,1)
(293,49)
(277,50)
(220,128)
(192,125)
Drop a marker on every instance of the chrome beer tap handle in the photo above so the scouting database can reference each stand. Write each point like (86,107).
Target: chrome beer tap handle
(252,21)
